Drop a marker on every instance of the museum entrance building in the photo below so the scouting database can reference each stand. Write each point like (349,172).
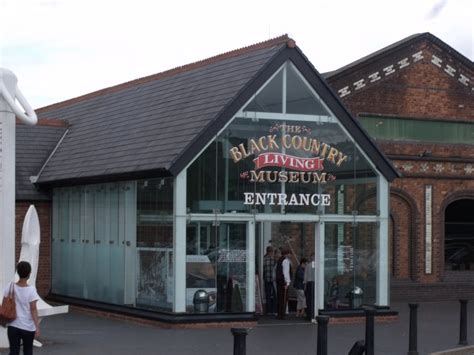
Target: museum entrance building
(279,163)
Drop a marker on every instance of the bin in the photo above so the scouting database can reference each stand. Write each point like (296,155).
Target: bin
(201,301)
(355,297)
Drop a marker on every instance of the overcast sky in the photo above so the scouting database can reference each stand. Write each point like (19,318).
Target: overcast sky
(61,49)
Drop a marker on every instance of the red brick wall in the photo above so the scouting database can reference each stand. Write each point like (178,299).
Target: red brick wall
(43,279)
(419,90)
(422,91)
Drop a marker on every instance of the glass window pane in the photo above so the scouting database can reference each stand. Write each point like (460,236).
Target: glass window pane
(202,181)
(269,99)
(56,285)
(459,236)
(405,129)
(299,98)
(220,268)
(76,276)
(155,244)
(350,264)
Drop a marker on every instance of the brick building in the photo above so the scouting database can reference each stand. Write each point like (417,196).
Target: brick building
(415,98)
(418,85)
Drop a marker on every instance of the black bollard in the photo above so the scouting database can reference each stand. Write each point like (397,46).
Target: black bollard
(463,323)
(240,335)
(322,345)
(369,331)
(413,338)
(358,348)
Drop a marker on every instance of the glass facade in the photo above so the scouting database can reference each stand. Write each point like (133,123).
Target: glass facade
(285,154)
(283,172)
(113,243)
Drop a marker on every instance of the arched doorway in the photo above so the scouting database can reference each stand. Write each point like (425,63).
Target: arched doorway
(403,230)
(459,235)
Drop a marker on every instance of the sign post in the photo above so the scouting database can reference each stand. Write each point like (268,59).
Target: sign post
(9,92)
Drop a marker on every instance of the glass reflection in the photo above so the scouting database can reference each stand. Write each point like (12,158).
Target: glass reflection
(350,265)
(216,262)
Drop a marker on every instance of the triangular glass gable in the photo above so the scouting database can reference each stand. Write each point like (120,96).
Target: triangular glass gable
(285,142)
(299,98)
(269,99)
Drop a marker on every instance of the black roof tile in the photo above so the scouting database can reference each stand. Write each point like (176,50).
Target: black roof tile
(34,144)
(136,128)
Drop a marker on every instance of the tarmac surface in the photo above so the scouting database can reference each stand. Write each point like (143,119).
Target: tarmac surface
(78,333)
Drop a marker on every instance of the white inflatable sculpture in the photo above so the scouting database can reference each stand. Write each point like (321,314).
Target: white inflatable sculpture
(9,111)
(30,241)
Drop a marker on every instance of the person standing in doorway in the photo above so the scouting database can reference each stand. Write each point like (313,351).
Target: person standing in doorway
(268,279)
(25,327)
(298,284)
(309,277)
(283,280)
(277,256)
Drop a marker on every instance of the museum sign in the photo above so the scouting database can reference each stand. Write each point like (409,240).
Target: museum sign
(304,165)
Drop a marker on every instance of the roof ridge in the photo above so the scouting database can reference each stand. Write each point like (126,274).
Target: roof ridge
(371,57)
(170,72)
(365,60)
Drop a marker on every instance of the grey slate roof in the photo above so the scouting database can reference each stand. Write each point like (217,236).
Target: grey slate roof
(145,125)
(158,124)
(33,146)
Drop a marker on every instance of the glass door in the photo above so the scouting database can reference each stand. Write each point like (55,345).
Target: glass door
(350,265)
(217,258)
(297,237)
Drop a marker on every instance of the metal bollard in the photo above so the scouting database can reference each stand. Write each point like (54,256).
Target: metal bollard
(240,335)
(413,339)
(463,323)
(358,348)
(369,331)
(322,345)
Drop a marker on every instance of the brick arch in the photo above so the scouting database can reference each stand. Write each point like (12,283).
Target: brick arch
(395,232)
(405,221)
(396,217)
(368,197)
(391,241)
(450,198)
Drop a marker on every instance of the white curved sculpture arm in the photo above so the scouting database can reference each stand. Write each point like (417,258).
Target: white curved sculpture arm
(30,242)
(29,116)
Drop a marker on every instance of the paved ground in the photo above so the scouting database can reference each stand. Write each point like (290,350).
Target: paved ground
(76,333)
